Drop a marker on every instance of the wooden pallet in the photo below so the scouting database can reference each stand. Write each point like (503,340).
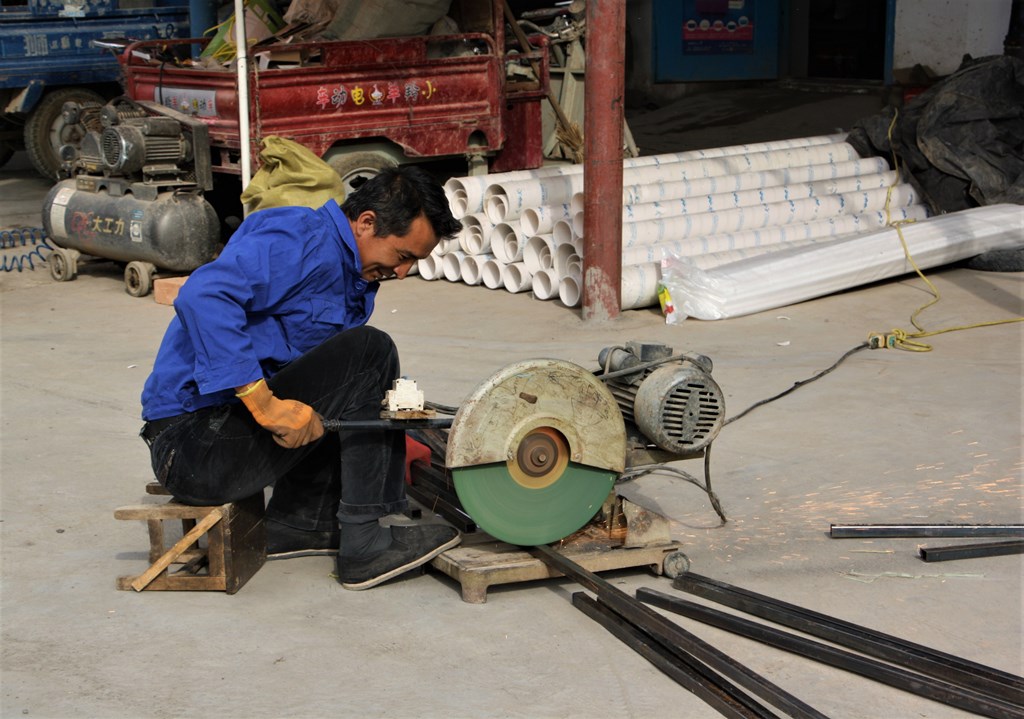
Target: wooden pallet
(481,561)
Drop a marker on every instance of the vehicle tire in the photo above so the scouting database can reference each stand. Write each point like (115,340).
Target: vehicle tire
(355,168)
(138,278)
(46,131)
(63,264)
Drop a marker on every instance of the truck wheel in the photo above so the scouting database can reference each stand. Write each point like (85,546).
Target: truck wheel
(46,131)
(138,278)
(355,168)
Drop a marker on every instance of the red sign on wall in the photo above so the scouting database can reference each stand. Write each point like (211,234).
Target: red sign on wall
(714,27)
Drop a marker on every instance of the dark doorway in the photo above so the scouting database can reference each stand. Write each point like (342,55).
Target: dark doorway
(838,39)
(846,39)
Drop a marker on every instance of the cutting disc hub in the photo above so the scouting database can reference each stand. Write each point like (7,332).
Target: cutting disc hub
(540,459)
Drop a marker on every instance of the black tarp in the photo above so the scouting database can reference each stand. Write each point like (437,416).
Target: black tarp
(961,142)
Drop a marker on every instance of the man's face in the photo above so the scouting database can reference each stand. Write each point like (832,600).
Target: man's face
(391,255)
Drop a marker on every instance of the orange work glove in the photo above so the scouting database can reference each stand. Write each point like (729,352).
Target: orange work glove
(292,423)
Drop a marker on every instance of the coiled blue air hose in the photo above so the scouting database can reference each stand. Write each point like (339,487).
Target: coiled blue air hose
(11,241)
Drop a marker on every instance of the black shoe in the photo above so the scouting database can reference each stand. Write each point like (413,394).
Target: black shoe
(284,542)
(410,547)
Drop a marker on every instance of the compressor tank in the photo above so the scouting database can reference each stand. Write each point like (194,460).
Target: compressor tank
(176,230)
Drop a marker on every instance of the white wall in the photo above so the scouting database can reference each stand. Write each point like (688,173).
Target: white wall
(937,33)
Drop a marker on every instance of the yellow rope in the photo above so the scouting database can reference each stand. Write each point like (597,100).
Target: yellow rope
(898,338)
(228,49)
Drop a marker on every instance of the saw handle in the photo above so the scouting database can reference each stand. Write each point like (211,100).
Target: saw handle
(343,425)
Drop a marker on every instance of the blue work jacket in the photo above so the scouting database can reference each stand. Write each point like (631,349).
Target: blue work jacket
(288,280)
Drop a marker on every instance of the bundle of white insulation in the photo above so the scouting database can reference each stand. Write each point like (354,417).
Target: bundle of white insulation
(522,231)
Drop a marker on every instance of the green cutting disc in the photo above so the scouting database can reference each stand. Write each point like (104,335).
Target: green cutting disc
(509,510)
(535,450)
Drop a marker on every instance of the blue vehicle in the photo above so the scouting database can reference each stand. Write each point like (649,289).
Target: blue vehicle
(53,52)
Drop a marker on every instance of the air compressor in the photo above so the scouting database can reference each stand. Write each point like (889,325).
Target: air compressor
(135,195)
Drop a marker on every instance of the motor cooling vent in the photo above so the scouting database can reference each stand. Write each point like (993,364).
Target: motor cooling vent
(680,408)
(113,151)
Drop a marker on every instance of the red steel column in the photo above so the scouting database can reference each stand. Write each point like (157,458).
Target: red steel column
(602,159)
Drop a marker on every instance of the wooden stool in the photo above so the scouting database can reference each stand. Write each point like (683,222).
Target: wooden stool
(236,544)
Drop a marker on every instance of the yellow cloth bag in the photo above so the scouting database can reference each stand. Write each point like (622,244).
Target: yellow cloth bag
(291,175)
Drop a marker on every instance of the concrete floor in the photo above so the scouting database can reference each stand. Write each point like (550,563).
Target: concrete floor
(890,436)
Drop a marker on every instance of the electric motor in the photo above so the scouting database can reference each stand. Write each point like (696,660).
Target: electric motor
(679,408)
(671,400)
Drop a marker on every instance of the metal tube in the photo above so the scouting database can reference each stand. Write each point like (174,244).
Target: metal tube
(848,531)
(971,551)
(602,158)
(947,667)
(673,636)
(911,682)
(686,672)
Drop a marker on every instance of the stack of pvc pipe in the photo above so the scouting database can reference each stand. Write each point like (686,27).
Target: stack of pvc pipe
(522,231)
(800,273)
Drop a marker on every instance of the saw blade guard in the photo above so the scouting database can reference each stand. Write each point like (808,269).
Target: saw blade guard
(535,450)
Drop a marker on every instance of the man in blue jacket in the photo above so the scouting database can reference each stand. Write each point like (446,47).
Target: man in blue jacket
(272,336)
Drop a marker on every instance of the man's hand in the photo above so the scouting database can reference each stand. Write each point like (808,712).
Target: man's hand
(292,423)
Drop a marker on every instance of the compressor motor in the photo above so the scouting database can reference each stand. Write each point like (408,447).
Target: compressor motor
(139,143)
(135,193)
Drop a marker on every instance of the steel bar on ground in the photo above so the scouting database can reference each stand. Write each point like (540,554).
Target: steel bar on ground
(874,531)
(675,637)
(971,551)
(687,672)
(919,684)
(947,667)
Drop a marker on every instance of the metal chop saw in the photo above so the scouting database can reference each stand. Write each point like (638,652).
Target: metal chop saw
(537,448)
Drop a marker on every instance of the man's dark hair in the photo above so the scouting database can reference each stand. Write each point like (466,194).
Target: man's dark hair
(398,195)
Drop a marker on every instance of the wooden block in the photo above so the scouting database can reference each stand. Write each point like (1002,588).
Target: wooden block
(165,289)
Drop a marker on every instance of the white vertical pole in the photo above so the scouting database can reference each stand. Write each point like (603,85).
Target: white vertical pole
(242,54)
